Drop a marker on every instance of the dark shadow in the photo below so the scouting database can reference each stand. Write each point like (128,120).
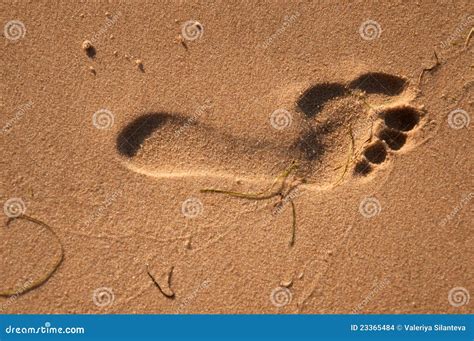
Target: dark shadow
(311,146)
(132,136)
(393,138)
(312,143)
(404,118)
(379,83)
(313,99)
(376,153)
(91,52)
(362,167)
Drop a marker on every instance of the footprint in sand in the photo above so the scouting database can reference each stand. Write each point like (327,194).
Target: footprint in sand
(326,128)
(392,133)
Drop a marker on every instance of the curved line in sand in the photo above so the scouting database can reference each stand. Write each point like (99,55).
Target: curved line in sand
(217,175)
(192,174)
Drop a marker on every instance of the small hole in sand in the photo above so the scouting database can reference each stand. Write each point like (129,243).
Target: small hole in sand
(394,139)
(89,48)
(362,167)
(376,153)
(403,119)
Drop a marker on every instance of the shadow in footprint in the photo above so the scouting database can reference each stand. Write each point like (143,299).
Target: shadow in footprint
(313,100)
(376,153)
(91,52)
(404,118)
(132,136)
(393,138)
(311,145)
(379,83)
(362,168)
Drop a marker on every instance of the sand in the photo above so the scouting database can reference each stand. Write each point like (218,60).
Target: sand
(115,117)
